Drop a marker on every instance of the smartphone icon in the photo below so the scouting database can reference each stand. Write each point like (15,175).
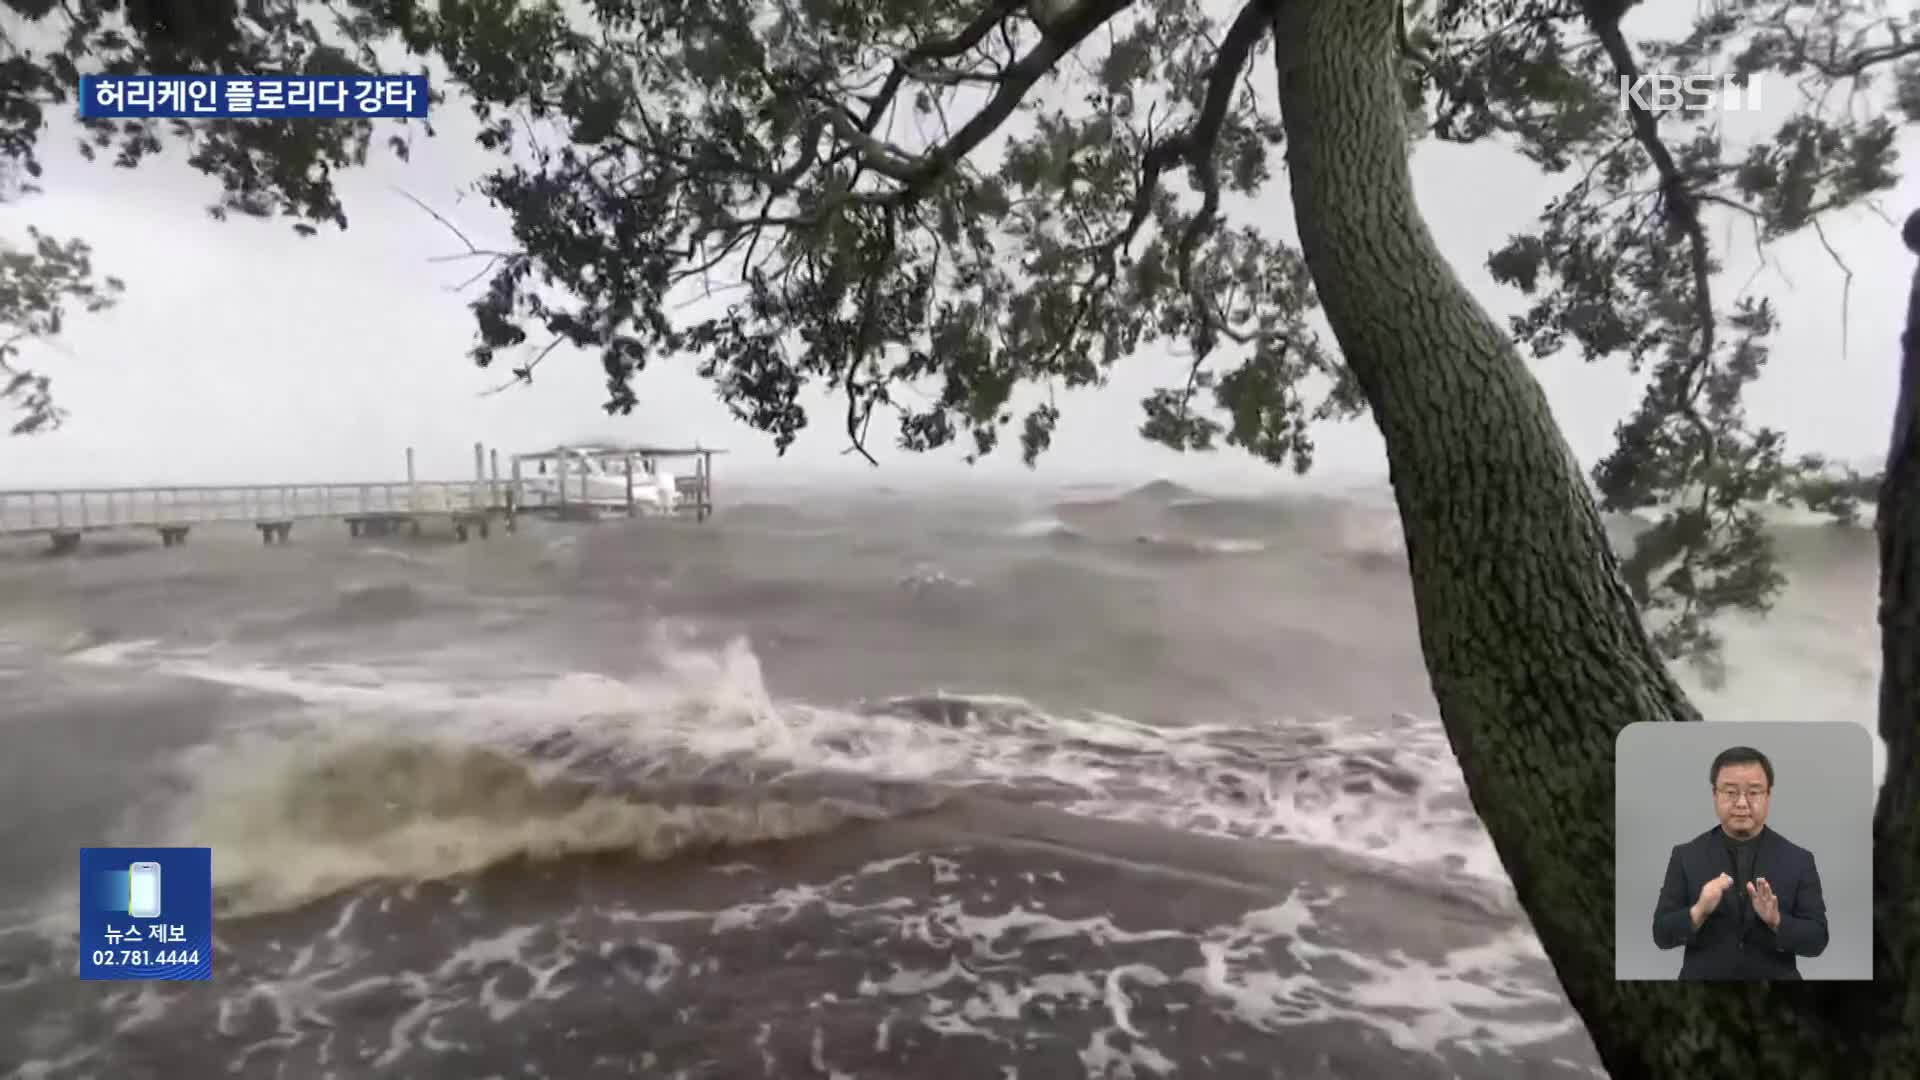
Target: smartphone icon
(143,890)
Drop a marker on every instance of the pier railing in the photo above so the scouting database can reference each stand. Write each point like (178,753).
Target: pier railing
(369,509)
(89,509)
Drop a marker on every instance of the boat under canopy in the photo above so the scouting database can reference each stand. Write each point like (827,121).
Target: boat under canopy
(635,478)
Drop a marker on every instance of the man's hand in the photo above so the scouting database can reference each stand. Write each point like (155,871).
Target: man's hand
(1710,894)
(1765,904)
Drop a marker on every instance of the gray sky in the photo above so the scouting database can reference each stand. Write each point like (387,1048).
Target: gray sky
(245,354)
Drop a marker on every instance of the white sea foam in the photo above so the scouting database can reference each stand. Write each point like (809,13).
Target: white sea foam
(423,739)
(1281,967)
(1035,527)
(430,765)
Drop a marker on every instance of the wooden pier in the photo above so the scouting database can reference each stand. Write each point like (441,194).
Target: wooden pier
(604,481)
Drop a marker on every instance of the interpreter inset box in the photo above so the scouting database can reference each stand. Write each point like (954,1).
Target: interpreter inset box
(1743,851)
(146,913)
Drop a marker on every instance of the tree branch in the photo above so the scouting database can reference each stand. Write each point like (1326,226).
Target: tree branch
(916,173)
(960,44)
(1682,211)
(1681,205)
(1194,147)
(1252,22)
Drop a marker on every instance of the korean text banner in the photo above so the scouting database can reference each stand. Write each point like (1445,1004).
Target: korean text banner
(146,913)
(104,97)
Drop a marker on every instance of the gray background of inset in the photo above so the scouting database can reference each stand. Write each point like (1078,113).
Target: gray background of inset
(1823,795)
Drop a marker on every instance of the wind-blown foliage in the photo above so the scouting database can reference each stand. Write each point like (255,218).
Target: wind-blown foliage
(262,169)
(928,274)
(707,145)
(1622,265)
(39,283)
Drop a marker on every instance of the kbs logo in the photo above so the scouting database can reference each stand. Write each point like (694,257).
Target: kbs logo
(1657,93)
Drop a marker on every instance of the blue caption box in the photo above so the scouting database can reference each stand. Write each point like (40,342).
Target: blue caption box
(146,913)
(278,97)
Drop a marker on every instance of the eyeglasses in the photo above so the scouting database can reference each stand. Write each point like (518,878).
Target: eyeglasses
(1734,794)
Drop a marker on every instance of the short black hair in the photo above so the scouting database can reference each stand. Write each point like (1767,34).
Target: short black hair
(1739,755)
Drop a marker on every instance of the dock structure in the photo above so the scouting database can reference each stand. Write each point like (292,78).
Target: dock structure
(604,481)
(590,479)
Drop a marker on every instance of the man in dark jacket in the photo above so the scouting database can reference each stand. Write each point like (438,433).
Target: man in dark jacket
(1742,899)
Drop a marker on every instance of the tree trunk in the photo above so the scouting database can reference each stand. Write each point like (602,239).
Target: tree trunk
(1534,646)
(1896,824)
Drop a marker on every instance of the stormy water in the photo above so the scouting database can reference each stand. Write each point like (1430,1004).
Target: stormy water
(1103,783)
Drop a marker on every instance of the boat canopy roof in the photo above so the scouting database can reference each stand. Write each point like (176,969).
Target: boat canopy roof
(616,450)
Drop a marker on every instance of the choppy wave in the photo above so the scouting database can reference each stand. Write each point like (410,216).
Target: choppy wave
(1200,545)
(1053,530)
(974,959)
(697,755)
(929,578)
(1165,516)
(1161,491)
(1047,527)
(466,797)
(357,605)
(294,820)
(1163,519)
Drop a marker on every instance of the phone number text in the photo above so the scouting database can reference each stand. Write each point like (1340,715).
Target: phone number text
(144,957)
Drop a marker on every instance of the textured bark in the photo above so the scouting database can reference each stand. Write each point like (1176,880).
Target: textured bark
(1896,824)
(1534,646)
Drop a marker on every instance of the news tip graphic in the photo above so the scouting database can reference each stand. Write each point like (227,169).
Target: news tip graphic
(146,913)
(272,97)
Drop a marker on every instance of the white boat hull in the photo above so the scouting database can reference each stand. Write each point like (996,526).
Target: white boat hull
(656,493)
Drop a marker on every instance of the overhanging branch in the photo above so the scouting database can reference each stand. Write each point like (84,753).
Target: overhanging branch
(913,62)
(1681,204)
(916,173)
(1682,207)
(1194,147)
